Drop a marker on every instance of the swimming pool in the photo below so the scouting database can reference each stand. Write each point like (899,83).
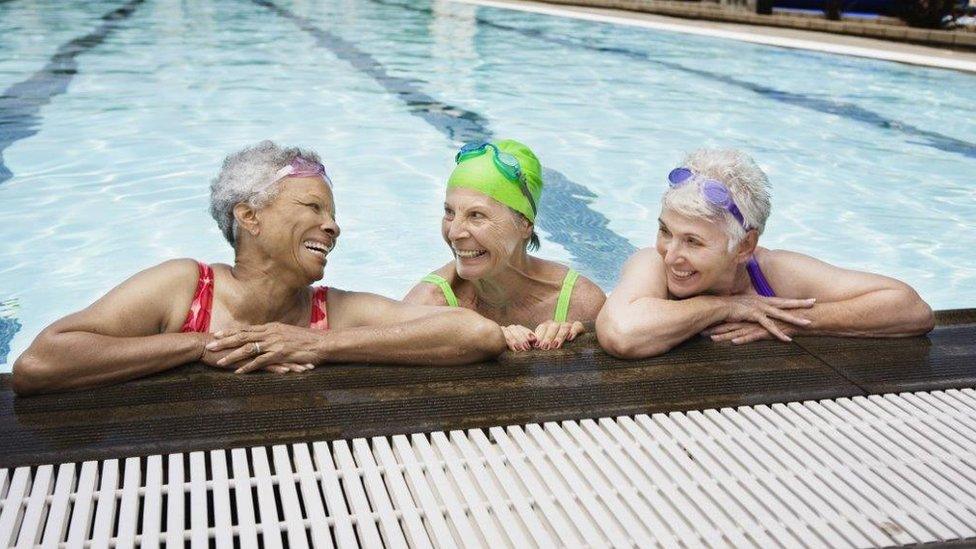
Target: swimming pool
(116,115)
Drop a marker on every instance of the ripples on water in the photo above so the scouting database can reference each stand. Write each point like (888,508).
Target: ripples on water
(116,177)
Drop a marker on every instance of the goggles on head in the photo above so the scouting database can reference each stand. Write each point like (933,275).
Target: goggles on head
(714,192)
(300,167)
(505,163)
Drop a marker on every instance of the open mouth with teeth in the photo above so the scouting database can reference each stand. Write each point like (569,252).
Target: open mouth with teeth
(680,275)
(469,254)
(319,249)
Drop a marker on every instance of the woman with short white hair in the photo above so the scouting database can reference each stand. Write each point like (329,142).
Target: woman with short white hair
(275,206)
(707,274)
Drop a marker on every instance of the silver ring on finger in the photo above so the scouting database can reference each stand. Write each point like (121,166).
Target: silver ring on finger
(257,348)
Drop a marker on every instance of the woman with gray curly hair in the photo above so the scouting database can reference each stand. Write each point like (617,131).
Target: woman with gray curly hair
(707,274)
(275,207)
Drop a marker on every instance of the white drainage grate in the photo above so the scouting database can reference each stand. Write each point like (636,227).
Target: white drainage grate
(860,472)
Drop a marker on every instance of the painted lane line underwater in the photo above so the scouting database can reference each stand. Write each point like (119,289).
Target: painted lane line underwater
(778,41)
(9,326)
(850,111)
(21,103)
(564,213)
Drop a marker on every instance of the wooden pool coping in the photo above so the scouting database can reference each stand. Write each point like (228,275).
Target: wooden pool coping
(196,408)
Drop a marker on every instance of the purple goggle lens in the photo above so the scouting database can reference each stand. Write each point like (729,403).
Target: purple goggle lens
(714,191)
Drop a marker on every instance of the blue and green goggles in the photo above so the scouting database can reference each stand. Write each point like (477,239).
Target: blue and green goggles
(505,163)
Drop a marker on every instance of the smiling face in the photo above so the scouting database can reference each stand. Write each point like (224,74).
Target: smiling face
(298,227)
(696,255)
(483,233)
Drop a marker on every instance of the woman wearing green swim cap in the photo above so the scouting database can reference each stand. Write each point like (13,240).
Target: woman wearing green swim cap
(489,215)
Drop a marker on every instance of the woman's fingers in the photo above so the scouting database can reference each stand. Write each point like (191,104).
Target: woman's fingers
(244,352)
(525,337)
(732,334)
(509,338)
(785,303)
(725,328)
(540,332)
(770,325)
(239,329)
(259,361)
(517,337)
(528,337)
(236,339)
(548,340)
(787,317)
(749,336)
(561,335)
(576,330)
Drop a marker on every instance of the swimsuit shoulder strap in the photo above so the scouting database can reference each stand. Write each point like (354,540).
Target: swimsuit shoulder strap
(445,287)
(758,279)
(320,314)
(198,317)
(562,305)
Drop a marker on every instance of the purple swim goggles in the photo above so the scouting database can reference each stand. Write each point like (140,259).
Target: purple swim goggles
(714,191)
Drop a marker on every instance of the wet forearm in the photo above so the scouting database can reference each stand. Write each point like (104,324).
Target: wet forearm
(650,326)
(74,360)
(882,313)
(441,339)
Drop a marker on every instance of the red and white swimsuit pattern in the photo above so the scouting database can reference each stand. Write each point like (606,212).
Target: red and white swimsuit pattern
(198,317)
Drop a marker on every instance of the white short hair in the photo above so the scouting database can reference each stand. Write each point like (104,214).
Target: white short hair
(244,178)
(739,173)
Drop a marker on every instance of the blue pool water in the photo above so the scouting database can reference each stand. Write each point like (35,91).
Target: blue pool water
(115,116)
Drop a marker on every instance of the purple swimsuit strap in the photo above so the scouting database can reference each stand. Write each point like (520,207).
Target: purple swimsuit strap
(759,281)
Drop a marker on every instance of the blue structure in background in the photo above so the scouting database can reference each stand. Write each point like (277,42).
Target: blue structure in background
(9,326)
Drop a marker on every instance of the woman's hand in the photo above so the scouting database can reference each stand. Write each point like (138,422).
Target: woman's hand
(551,334)
(746,332)
(765,311)
(211,358)
(518,337)
(275,346)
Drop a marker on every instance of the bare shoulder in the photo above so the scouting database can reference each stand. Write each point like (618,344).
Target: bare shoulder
(178,272)
(789,273)
(427,293)
(587,300)
(150,301)
(163,279)
(643,261)
(793,274)
(643,275)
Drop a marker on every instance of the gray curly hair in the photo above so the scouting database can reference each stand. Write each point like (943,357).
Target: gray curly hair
(740,174)
(244,177)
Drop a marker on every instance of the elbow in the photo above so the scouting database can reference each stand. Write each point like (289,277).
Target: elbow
(620,340)
(486,338)
(918,316)
(924,318)
(31,375)
(491,340)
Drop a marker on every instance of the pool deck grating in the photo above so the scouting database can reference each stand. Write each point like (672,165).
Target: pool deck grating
(763,445)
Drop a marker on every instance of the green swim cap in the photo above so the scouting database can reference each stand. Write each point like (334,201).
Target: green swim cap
(480,174)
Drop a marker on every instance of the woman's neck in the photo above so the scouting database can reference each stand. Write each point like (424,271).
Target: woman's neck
(516,285)
(264,293)
(739,283)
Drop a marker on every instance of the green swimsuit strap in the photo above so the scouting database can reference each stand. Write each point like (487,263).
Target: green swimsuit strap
(562,306)
(442,283)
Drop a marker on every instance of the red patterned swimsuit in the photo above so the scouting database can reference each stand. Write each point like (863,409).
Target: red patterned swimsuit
(198,318)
